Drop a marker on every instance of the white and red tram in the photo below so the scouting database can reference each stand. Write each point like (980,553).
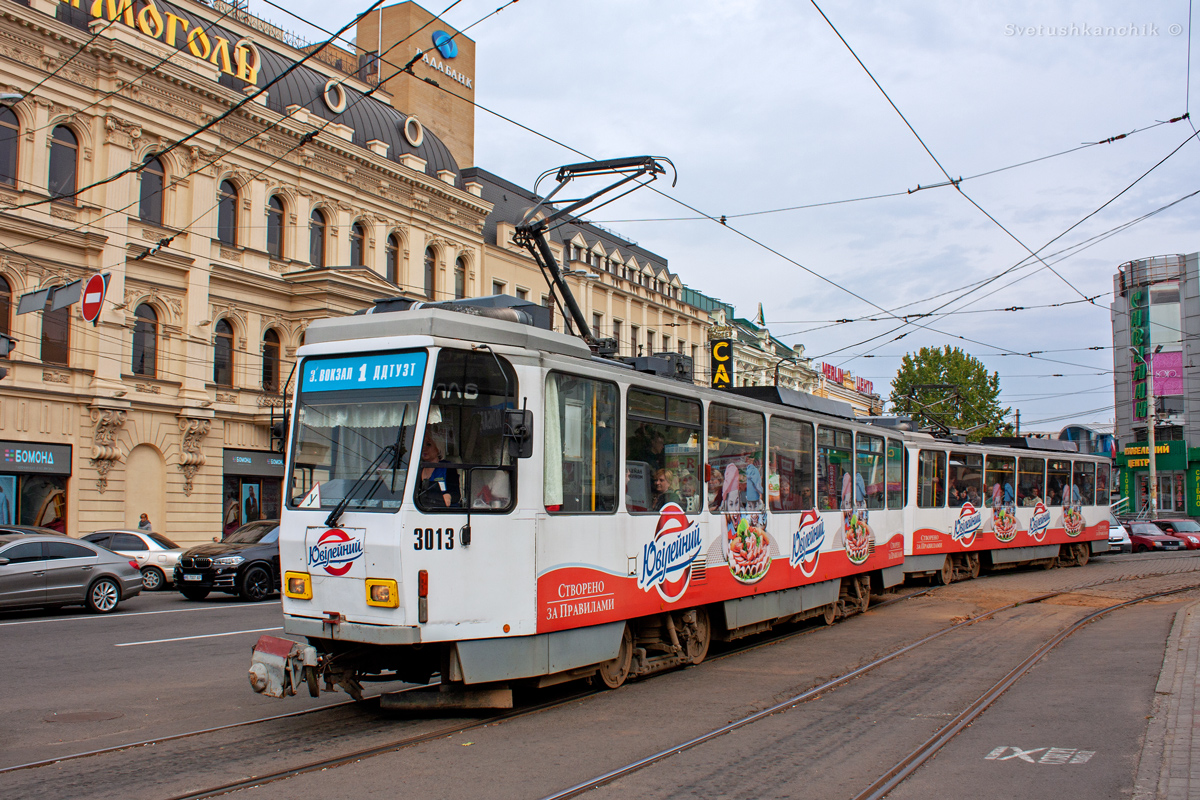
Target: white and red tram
(483,499)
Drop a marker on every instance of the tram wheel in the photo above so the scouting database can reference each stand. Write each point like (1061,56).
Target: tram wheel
(615,672)
(830,613)
(700,636)
(1082,551)
(310,677)
(973,565)
(945,575)
(862,589)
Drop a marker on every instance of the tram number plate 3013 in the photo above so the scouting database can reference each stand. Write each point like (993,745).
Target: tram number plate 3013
(433,538)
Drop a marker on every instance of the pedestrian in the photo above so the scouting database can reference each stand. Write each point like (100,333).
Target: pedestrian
(144,524)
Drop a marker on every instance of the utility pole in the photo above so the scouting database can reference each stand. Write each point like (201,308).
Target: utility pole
(1018,422)
(1151,421)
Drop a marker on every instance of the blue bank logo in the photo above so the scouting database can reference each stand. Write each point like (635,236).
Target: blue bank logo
(445,44)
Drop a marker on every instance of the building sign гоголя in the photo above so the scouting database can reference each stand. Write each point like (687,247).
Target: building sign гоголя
(146,17)
(47,459)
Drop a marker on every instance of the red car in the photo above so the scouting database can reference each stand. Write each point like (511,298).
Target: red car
(1186,529)
(1147,536)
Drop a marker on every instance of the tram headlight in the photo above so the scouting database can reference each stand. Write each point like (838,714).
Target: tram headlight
(383,593)
(297,585)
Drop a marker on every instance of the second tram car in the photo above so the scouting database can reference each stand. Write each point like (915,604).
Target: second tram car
(479,498)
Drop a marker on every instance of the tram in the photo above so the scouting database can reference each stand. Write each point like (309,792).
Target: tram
(478,497)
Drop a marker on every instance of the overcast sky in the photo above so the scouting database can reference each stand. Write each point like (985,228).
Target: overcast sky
(761,107)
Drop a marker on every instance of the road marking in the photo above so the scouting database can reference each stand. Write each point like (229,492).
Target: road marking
(1053,755)
(120,615)
(204,636)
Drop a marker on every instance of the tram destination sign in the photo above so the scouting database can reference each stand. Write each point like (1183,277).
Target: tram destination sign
(373,371)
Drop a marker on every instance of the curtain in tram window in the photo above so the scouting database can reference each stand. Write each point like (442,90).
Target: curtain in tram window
(553,479)
(366,415)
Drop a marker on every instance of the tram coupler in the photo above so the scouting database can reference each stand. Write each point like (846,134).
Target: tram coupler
(449,697)
(277,665)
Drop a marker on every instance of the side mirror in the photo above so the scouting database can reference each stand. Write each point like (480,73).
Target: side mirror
(518,430)
(3,561)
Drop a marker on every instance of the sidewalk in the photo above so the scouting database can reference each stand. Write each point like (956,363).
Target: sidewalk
(1169,768)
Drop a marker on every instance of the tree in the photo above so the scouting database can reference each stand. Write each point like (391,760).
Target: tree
(952,387)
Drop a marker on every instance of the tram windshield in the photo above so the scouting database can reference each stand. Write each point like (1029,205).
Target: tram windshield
(354,425)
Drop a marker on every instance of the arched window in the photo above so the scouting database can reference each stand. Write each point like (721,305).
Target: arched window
(150,206)
(393,258)
(316,238)
(275,227)
(270,364)
(227,208)
(10,142)
(223,353)
(357,237)
(460,279)
(145,342)
(64,164)
(430,261)
(5,307)
(56,335)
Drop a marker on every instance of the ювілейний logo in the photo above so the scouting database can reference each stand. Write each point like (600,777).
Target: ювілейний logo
(1039,523)
(445,44)
(335,552)
(666,562)
(967,525)
(806,543)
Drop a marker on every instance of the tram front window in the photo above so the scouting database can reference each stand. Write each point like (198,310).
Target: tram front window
(354,430)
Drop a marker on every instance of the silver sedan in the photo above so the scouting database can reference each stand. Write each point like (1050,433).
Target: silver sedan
(155,554)
(55,571)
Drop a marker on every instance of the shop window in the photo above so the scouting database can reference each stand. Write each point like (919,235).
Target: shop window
(316,238)
(1058,479)
(393,258)
(223,353)
(430,263)
(869,479)
(249,499)
(1083,491)
(270,361)
(966,479)
(735,449)
(64,164)
(999,481)
(662,453)
(10,146)
(145,342)
(1031,481)
(460,279)
(150,203)
(358,237)
(834,474)
(790,480)
(275,227)
(43,500)
(227,211)
(897,474)
(580,445)
(5,306)
(465,458)
(931,479)
(56,336)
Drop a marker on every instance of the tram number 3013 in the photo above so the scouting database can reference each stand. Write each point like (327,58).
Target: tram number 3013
(433,538)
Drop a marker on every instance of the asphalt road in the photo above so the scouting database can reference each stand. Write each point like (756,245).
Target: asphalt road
(1072,727)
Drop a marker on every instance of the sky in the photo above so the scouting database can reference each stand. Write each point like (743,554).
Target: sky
(761,106)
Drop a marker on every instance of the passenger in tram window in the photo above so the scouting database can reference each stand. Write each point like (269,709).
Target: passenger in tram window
(689,498)
(438,486)
(754,484)
(787,500)
(715,493)
(664,489)
(806,498)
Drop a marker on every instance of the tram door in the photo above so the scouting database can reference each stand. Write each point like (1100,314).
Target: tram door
(930,515)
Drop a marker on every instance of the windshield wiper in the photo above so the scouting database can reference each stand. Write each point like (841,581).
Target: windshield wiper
(394,449)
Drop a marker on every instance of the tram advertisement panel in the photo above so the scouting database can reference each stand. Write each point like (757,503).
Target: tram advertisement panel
(970,528)
(685,560)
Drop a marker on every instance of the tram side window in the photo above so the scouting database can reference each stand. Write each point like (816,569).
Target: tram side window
(464,457)
(1058,480)
(966,479)
(1083,490)
(834,475)
(791,465)
(869,483)
(662,453)
(931,479)
(1103,484)
(999,480)
(1031,481)
(897,473)
(735,451)
(580,445)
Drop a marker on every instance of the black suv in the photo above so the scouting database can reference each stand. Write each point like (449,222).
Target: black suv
(245,563)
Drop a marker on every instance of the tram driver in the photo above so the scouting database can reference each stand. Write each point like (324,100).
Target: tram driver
(438,485)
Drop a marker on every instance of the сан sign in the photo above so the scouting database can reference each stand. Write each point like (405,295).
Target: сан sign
(722,363)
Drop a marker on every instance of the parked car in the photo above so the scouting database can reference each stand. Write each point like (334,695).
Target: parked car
(1118,536)
(28,530)
(1147,536)
(245,563)
(1185,529)
(53,571)
(155,554)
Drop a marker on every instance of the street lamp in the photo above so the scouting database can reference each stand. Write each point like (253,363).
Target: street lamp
(1151,422)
